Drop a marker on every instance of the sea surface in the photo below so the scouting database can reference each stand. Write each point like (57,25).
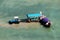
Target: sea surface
(11,8)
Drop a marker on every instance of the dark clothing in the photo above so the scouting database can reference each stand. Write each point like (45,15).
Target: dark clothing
(44,21)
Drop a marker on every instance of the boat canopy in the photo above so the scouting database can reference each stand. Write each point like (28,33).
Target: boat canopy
(34,15)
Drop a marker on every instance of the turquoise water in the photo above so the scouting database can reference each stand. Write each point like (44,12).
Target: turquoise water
(10,8)
(27,34)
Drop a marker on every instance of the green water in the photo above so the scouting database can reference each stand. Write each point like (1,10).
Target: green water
(10,8)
